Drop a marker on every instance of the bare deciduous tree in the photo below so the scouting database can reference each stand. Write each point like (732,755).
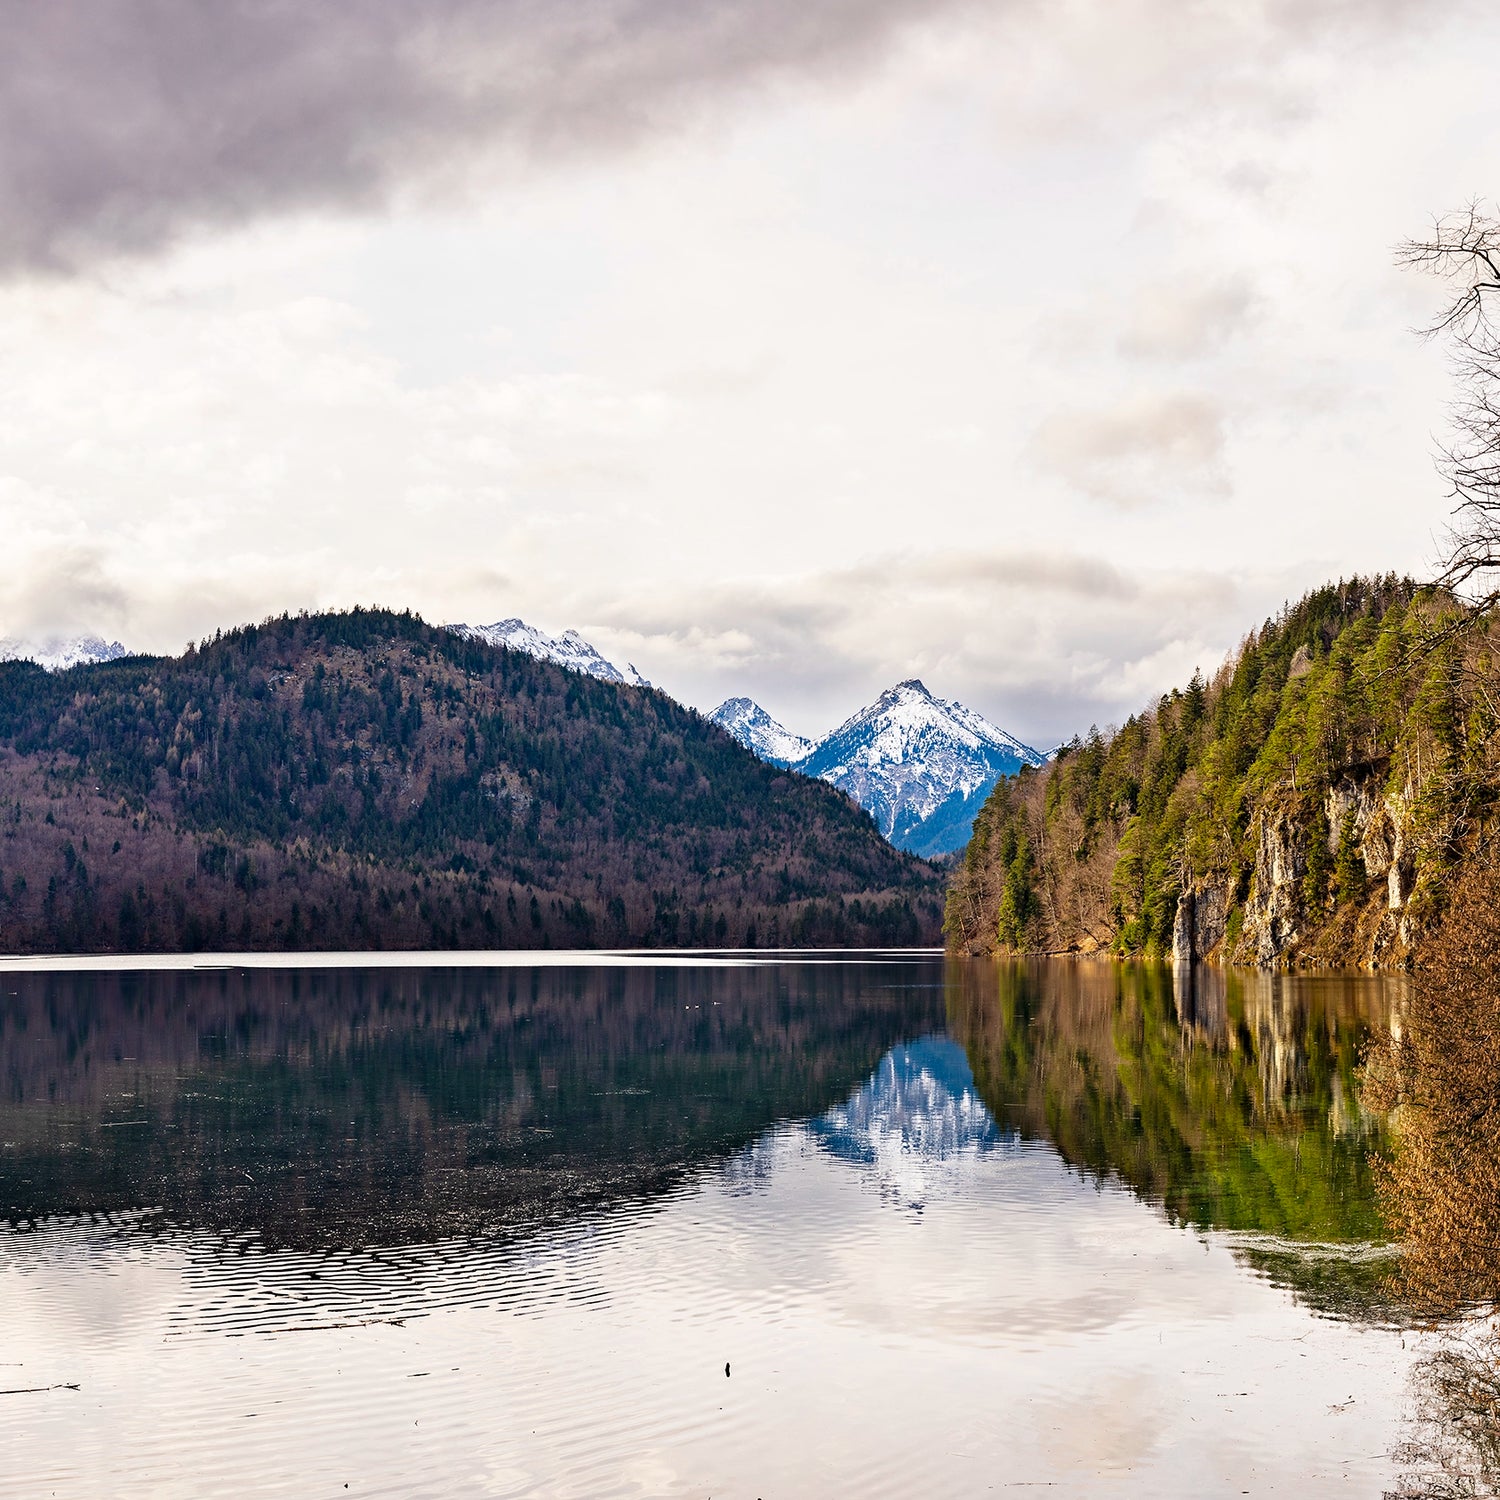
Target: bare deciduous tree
(1463,249)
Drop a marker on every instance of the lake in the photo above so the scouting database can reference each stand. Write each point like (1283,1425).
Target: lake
(590,1225)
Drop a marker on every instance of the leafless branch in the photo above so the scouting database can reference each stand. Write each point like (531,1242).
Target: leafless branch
(1463,250)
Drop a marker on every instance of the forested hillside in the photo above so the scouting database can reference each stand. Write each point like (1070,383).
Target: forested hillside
(1305,806)
(366,780)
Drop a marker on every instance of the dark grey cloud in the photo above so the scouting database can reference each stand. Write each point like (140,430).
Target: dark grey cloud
(125,122)
(51,589)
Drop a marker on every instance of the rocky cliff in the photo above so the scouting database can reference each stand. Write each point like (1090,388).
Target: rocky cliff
(1277,925)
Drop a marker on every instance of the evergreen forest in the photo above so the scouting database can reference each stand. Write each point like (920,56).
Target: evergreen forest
(1304,805)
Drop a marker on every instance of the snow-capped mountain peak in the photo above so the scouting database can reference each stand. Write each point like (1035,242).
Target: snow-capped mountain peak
(745,720)
(567,650)
(921,765)
(58,653)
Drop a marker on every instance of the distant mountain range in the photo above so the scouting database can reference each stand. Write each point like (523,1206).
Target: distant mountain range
(362,779)
(566,650)
(58,653)
(922,766)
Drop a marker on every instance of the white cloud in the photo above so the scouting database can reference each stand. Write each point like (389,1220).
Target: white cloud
(1144,448)
(1039,361)
(1045,644)
(1177,321)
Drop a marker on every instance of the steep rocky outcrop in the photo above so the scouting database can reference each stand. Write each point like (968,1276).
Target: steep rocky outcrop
(1278,926)
(1202,915)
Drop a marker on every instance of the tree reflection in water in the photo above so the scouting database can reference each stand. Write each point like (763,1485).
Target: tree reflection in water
(1453,1446)
(336,1108)
(1313,1117)
(1231,1099)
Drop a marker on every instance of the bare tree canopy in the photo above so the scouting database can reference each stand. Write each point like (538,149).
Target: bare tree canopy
(1464,251)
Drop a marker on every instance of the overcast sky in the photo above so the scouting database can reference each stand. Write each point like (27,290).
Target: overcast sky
(789,348)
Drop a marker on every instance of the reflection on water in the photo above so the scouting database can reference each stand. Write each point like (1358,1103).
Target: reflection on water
(1230,1098)
(917,1117)
(348,1106)
(466,1232)
(1452,1446)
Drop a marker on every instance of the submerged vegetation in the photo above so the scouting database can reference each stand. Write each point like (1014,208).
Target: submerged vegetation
(1307,804)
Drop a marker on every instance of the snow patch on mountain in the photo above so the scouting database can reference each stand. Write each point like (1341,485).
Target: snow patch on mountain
(745,720)
(568,650)
(58,653)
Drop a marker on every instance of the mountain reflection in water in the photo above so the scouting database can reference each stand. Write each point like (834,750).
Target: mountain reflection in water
(458,1232)
(918,1113)
(345,1107)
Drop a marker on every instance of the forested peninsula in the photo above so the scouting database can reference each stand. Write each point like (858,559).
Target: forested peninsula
(364,780)
(1307,806)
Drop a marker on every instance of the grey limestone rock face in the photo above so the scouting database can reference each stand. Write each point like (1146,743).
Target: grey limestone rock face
(1274,908)
(1202,920)
(1377,823)
(1182,930)
(1275,920)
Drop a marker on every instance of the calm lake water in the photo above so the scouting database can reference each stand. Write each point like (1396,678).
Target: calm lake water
(875,1225)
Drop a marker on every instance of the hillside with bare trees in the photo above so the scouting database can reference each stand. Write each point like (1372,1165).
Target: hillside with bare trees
(365,780)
